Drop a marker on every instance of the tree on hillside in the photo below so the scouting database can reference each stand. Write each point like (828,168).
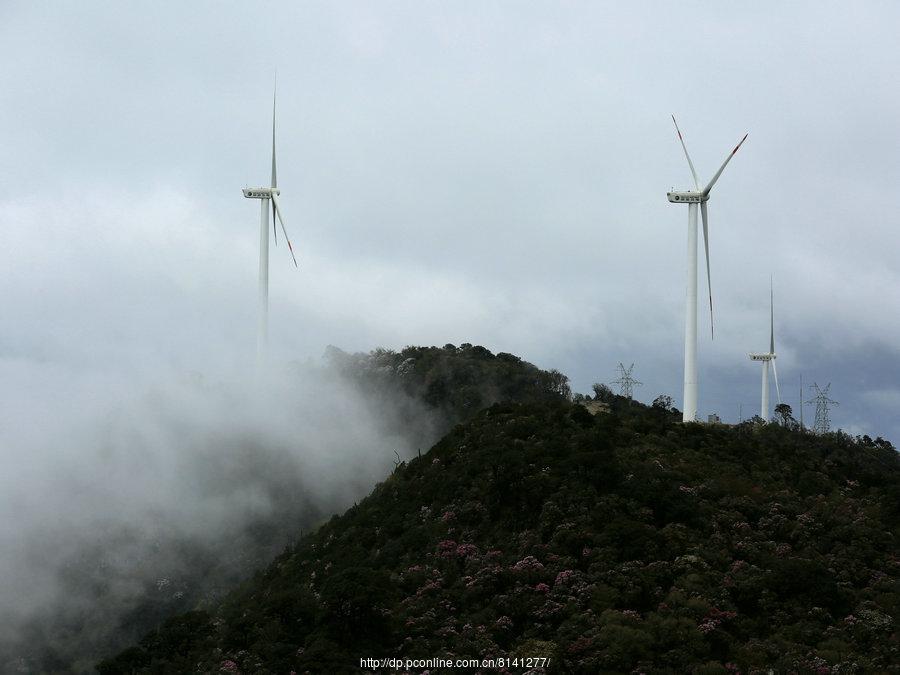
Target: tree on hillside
(664,402)
(784,415)
(558,383)
(603,393)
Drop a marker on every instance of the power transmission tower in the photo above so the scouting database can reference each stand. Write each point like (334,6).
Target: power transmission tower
(626,382)
(822,424)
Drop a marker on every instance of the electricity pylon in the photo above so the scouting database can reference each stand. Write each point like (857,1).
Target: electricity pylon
(626,382)
(822,424)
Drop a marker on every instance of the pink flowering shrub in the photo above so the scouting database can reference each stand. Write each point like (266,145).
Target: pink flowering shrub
(542,588)
(466,550)
(549,609)
(447,548)
(564,578)
(722,615)
(738,565)
(715,618)
(228,666)
(433,585)
(709,625)
(485,578)
(528,564)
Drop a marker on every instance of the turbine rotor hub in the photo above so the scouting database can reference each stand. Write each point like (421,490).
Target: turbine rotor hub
(260,193)
(688,197)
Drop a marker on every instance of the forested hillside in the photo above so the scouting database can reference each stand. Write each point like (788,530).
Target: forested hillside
(621,542)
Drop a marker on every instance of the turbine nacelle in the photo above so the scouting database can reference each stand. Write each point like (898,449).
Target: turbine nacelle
(687,197)
(260,193)
(762,357)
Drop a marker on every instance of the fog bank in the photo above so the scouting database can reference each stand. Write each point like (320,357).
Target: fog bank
(128,496)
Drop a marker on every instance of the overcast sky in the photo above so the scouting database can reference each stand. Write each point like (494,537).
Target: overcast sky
(483,172)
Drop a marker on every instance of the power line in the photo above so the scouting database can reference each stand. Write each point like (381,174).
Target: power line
(626,382)
(822,424)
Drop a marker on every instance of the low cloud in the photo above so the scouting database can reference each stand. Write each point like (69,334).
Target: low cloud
(126,494)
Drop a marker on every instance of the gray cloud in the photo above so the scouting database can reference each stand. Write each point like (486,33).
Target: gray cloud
(484,172)
(119,492)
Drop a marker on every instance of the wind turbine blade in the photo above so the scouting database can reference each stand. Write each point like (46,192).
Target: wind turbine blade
(708,275)
(274,226)
(283,230)
(274,171)
(690,163)
(777,388)
(722,168)
(771,318)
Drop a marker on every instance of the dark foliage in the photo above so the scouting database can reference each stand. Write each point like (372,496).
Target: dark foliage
(611,543)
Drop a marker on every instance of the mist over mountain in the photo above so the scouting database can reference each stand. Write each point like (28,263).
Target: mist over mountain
(158,496)
(168,493)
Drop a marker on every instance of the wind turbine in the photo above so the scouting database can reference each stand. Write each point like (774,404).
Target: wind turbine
(692,198)
(267,195)
(767,359)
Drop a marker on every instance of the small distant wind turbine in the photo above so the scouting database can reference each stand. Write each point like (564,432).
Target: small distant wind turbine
(692,198)
(767,359)
(266,195)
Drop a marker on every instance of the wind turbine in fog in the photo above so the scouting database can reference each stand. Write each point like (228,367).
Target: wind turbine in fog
(767,359)
(267,195)
(692,198)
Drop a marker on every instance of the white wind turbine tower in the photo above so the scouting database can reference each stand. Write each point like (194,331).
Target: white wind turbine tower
(692,198)
(767,359)
(267,195)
